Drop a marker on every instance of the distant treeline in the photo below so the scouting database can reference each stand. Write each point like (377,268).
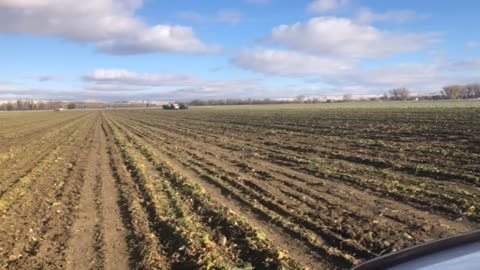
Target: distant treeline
(469,91)
(461,91)
(251,101)
(30,105)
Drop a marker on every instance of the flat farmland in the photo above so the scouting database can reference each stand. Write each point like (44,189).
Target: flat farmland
(249,187)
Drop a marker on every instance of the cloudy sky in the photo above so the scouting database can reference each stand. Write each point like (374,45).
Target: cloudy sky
(180,50)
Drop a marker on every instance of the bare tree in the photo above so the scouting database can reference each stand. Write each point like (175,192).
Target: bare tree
(400,93)
(472,90)
(453,91)
(41,105)
(300,99)
(347,97)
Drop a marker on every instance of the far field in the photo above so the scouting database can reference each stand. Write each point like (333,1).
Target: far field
(255,187)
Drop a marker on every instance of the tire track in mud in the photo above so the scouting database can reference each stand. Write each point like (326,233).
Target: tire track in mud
(146,251)
(98,239)
(115,249)
(82,251)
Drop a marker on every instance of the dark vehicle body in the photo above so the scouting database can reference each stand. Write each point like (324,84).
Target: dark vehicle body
(175,106)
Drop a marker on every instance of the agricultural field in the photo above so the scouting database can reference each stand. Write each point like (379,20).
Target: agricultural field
(246,187)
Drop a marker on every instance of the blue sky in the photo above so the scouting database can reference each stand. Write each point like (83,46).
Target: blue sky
(180,50)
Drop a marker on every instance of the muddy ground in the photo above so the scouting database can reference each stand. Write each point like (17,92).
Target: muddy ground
(199,189)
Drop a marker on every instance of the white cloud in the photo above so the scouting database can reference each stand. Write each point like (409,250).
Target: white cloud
(178,39)
(288,63)
(472,44)
(422,77)
(114,85)
(322,6)
(111,79)
(342,74)
(12,90)
(13,93)
(111,25)
(113,88)
(344,38)
(222,16)
(5,83)
(366,16)
(416,76)
(125,77)
(123,83)
(120,76)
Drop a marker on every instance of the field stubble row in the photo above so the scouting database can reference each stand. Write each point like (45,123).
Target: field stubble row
(302,199)
(226,188)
